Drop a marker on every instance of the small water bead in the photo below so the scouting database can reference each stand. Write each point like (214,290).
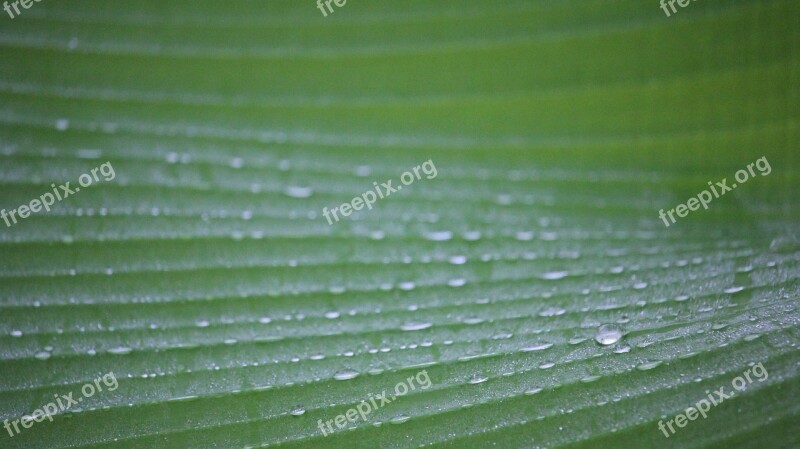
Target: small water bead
(298,411)
(622,349)
(536,347)
(608,334)
(460,282)
(332,315)
(458,260)
(120,350)
(502,335)
(298,191)
(546,365)
(751,337)
(346,374)
(473,320)
(718,326)
(16,333)
(415,326)
(532,391)
(439,236)
(42,355)
(265,320)
(589,379)
(407,286)
(399,419)
(202,323)
(554,275)
(649,365)
(62,124)
(552,311)
(577,340)
(477,379)
(735,289)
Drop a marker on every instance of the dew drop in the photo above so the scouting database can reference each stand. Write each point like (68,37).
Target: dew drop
(399,419)
(415,326)
(552,311)
(298,191)
(458,260)
(532,391)
(649,365)
(553,275)
(477,379)
(346,374)
(734,289)
(120,350)
(622,349)
(536,347)
(298,411)
(332,315)
(16,333)
(42,355)
(608,334)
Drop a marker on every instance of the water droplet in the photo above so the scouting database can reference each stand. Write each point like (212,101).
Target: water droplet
(477,379)
(62,124)
(299,191)
(265,320)
(536,347)
(16,333)
(553,275)
(407,286)
(546,365)
(399,419)
(202,323)
(415,326)
(42,355)
(346,374)
(473,320)
(588,379)
(608,334)
(120,350)
(439,236)
(622,349)
(718,326)
(298,411)
(460,282)
(552,311)
(332,315)
(502,335)
(734,289)
(649,365)
(458,260)
(532,391)
(751,337)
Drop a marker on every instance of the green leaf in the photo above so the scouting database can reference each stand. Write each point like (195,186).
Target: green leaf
(530,279)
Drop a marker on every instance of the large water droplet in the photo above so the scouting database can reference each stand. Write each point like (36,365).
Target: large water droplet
(608,334)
